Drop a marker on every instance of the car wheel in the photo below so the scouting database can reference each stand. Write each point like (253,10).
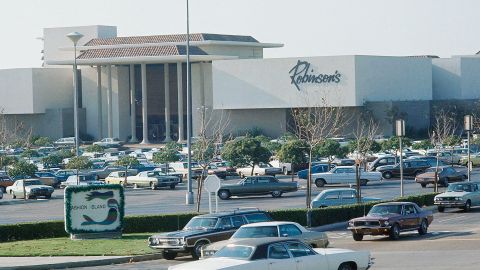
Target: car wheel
(441,209)
(4,190)
(13,195)
(320,182)
(48,196)
(169,255)
(28,196)
(357,236)
(363,182)
(464,177)
(135,186)
(197,249)
(152,186)
(387,175)
(346,266)
(241,175)
(467,206)
(422,230)
(423,185)
(172,186)
(224,194)
(444,182)
(395,232)
(417,173)
(285,171)
(276,194)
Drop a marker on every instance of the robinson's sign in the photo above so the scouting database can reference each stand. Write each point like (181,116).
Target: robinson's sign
(94,209)
(303,73)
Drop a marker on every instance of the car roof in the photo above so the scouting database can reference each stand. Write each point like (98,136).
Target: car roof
(269,223)
(261,241)
(337,190)
(395,203)
(231,213)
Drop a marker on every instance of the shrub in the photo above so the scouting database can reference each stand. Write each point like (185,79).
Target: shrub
(42,141)
(94,148)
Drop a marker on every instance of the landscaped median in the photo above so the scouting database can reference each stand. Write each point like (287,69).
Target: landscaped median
(55,241)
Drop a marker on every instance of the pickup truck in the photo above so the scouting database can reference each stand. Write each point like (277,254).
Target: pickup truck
(344,175)
(257,185)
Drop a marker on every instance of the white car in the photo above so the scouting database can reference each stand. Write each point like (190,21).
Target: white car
(153,180)
(33,189)
(260,169)
(279,254)
(109,143)
(82,180)
(344,175)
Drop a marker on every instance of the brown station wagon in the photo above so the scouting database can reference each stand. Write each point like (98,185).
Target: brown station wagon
(5,182)
(391,219)
(202,230)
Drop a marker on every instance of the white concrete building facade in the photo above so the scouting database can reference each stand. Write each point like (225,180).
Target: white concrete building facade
(131,86)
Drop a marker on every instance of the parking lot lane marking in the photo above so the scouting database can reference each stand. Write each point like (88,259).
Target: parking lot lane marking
(448,219)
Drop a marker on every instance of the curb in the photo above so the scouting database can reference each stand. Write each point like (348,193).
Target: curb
(329,227)
(90,263)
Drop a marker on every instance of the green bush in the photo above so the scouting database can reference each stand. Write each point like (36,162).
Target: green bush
(172,222)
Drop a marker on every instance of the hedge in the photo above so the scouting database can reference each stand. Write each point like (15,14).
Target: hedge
(171,222)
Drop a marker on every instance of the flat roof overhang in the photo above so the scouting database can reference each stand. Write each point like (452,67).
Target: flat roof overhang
(142,60)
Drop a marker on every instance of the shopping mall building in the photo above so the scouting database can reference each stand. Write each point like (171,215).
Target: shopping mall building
(136,85)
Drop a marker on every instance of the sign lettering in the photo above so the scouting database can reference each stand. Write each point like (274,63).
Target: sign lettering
(302,73)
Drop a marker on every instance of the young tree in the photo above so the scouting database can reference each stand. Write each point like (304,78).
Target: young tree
(314,123)
(94,148)
(42,141)
(245,152)
(79,163)
(23,169)
(444,126)
(6,161)
(329,149)
(393,144)
(127,161)
(166,155)
(51,160)
(424,144)
(29,154)
(294,152)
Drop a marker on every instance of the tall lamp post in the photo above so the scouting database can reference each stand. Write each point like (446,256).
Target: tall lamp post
(400,132)
(468,126)
(75,37)
(189,195)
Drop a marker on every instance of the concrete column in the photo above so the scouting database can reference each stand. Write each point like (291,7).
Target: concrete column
(109,102)
(133,120)
(180,101)
(144,104)
(168,138)
(99,102)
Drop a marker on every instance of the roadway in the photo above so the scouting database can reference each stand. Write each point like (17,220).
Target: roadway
(163,201)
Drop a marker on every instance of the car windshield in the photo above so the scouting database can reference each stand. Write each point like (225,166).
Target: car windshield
(254,232)
(32,182)
(233,251)
(459,188)
(384,210)
(201,223)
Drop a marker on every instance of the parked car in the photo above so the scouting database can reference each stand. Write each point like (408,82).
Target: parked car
(257,185)
(474,160)
(1,194)
(279,253)
(171,171)
(214,170)
(48,178)
(411,167)
(5,181)
(432,161)
(226,166)
(462,195)
(117,178)
(445,175)
(182,167)
(391,219)
(143,167)
(109,143)
(83,179)
(271,229)
(260,169)
(287,166)
(344,175)
(343,162)
(105,171)
(445,156)
(62,175)
(382,161)
(33,189)
(320,168)
(69,141)
(202,230)
(153,180)
(338,196)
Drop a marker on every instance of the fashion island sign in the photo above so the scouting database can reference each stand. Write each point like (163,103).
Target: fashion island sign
(302,73)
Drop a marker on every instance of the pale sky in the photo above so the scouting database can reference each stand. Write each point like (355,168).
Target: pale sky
(306,27)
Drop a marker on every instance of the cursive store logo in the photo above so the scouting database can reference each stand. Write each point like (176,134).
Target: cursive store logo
(302,73)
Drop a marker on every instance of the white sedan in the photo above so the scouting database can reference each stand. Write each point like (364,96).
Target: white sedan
(344,175)
(279,254)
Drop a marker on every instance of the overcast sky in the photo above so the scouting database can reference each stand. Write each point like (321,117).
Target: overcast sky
(306,27)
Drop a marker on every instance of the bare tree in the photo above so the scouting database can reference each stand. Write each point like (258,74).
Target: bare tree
(364,134)
(314,124)
(444,126)
(13,133)
(212,127)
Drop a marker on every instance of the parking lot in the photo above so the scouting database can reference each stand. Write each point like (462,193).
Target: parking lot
(163,201)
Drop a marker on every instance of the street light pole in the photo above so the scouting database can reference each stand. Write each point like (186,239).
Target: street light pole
(75,37)
(400,130)
(468,126)
(189,195)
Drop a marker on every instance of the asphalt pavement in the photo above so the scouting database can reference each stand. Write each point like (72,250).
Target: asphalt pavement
(163,201)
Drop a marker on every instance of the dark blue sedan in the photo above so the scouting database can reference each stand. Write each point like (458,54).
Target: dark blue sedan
(320,168)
